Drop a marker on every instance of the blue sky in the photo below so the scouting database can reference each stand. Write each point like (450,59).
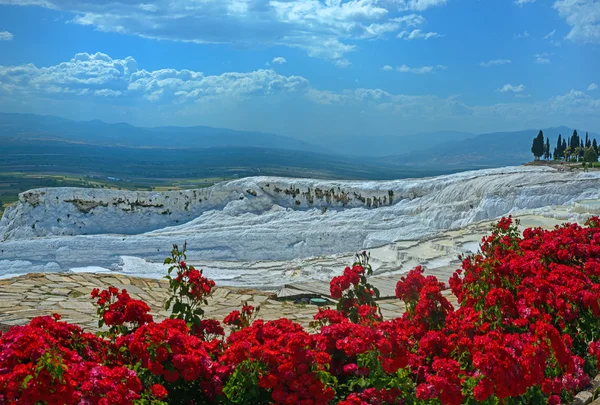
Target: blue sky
(306,68)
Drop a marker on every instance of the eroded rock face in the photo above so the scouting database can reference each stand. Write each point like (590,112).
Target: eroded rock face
(80,211)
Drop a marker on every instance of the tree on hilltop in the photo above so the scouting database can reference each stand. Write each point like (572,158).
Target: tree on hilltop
(537,147)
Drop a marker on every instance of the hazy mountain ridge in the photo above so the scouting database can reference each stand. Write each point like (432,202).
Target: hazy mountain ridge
(386,145)
(96,132)
(486,150)
(443,150)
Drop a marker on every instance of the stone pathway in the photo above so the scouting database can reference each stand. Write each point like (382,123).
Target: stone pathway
(68,294)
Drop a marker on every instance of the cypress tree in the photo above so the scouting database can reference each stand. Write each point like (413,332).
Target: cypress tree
(558,151)
(595,145)
(574,141)
(547,149)
(587,141)
(537,148)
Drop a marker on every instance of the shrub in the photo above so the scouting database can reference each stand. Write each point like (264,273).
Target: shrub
(189,289)
(526,332)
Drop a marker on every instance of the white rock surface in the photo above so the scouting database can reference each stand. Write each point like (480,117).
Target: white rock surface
(263,231)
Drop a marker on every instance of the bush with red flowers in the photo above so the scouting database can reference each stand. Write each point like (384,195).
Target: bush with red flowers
(527,331)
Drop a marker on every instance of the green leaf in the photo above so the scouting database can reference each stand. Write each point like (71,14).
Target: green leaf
(26,381)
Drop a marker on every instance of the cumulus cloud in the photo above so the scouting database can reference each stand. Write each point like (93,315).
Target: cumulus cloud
(542,58)
(116,87)
(100,75)
(511,88)
(324,29)
(280,60)
(416,70)
(583,16)
(495,62)
(6,36)
(592,87)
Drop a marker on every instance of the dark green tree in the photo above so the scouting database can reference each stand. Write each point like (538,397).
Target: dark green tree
(547,154)
(563,148)
(595,145)
(590,155)
(558,151)
(574,141)
(537,148)
(587,141)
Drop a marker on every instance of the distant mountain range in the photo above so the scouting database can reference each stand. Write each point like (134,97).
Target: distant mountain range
(485,150)
(442,150)
(386,145)
(99,133)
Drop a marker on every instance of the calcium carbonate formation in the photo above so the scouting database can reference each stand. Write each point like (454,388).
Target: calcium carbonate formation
(266,218)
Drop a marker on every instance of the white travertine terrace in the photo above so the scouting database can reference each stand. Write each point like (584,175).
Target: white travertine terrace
(266,231)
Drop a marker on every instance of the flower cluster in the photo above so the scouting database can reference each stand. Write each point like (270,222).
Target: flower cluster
(353,291)
(241,319)
(116,309)
(189,289)
(526,332)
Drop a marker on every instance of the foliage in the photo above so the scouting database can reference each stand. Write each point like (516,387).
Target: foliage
(119,311)
(527,332)
(538,146)
(189,289)
(356,296)
(590,155)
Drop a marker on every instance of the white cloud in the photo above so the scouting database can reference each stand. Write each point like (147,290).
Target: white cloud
(342,63)
(6,36)
(416,70)
(521,35)
(107,93)
(418,34)
(592,87)
(522,2)
(279,60)
(100,75)
(325,29)
(410,20)
(510,87)
(542,58)
(550,37)
(495,62)
(583,16)
(96,86)
(576,102)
